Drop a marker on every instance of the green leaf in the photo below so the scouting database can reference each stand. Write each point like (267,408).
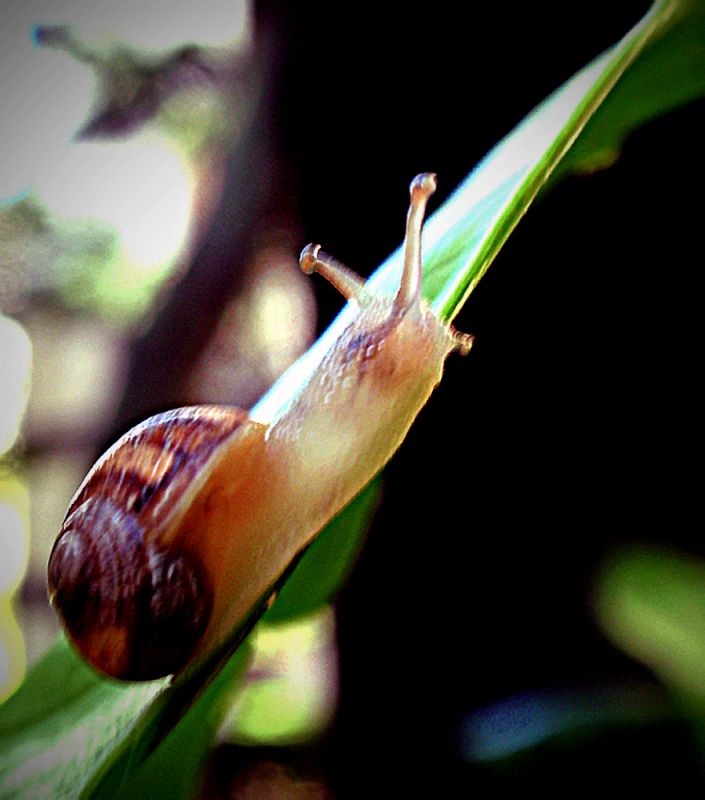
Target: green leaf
(651,603)
(327,562)
(465,235)
(669,73)
(61,722)
(174,769)
(67,729)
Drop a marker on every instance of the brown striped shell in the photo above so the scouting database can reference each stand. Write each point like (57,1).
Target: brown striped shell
(134,602)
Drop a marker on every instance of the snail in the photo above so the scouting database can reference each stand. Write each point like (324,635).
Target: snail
(183,524)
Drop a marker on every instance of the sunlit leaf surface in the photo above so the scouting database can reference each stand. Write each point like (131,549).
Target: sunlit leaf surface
(61,723)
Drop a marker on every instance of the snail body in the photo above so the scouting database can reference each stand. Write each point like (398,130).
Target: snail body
(191,516)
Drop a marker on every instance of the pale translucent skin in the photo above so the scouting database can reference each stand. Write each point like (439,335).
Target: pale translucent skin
(343,427)
(243,504)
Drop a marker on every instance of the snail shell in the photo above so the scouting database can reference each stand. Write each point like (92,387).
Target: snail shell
(134,597)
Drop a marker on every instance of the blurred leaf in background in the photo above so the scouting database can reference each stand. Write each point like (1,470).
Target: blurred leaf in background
(15,368)
(650,601)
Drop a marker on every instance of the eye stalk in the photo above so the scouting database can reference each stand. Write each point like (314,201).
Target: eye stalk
(347,282)
(409,294)
(351,286)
